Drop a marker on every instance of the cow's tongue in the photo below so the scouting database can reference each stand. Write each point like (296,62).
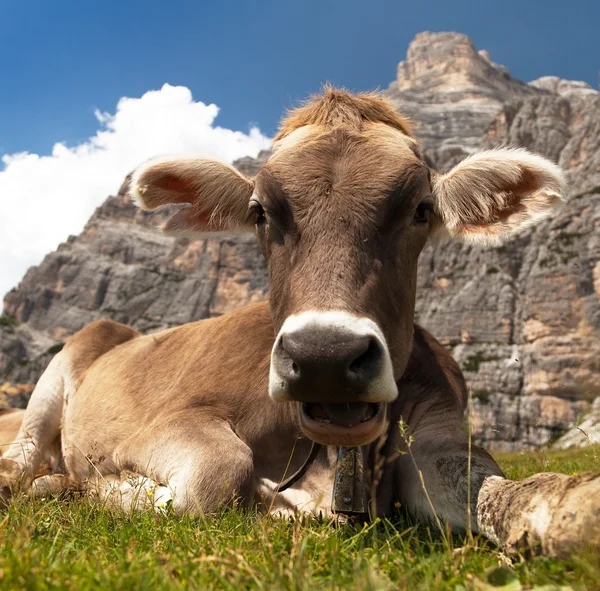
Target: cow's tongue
(345,415)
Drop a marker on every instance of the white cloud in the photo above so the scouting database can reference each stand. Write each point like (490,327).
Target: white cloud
(43,199)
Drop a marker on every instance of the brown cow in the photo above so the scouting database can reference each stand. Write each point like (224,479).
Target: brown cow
(223,409)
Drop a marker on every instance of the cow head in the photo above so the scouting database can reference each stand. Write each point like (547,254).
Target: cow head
(341,210)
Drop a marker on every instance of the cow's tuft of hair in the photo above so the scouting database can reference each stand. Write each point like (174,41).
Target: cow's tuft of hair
(336,106)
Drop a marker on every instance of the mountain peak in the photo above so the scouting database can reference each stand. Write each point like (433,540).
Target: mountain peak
(448,61)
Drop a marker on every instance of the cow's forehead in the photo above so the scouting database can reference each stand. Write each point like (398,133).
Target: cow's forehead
(373,158)
(379,136)
(296,139)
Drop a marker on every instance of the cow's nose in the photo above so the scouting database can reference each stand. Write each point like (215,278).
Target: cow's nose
(331,357)
(347,362)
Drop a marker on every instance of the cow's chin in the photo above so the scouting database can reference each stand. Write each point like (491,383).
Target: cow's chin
(351,424)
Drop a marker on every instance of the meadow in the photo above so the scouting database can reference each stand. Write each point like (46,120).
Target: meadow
(78,544)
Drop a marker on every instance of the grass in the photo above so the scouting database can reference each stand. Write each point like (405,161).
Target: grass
(77,544)
(571,461)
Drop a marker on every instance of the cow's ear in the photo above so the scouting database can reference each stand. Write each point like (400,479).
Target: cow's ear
(495,193)
(216,195)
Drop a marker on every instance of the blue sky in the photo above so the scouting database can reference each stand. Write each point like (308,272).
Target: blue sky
(63,59)
(90,89)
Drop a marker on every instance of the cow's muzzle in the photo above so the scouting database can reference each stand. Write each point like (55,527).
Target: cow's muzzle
(351,424)
(338,367)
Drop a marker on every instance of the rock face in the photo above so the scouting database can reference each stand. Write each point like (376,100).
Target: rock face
(523,320)
(564,126)
(452,93)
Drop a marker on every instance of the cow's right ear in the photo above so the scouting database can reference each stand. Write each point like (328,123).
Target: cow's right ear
(216,194)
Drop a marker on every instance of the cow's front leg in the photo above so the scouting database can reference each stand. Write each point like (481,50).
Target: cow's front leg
(554,512)
(549,513)
(431,476)
(193,459)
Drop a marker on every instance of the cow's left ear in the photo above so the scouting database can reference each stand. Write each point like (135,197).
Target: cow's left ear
(494,193)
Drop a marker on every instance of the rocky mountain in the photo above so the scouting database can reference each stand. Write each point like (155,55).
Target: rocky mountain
(452,93)
(460,99)
(523,320)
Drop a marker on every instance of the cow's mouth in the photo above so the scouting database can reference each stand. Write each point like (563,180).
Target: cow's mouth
(349,424)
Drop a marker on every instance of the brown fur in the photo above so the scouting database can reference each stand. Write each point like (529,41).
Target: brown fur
(83,350)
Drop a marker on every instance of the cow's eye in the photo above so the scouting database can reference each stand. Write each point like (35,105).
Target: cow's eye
(423,213)
(257,212)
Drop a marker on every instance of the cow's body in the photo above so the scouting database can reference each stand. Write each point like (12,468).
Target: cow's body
(134,436)
(131,384)
(224,409)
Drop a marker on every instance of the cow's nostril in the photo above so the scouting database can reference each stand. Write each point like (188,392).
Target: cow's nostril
(289,358)
(367,361)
